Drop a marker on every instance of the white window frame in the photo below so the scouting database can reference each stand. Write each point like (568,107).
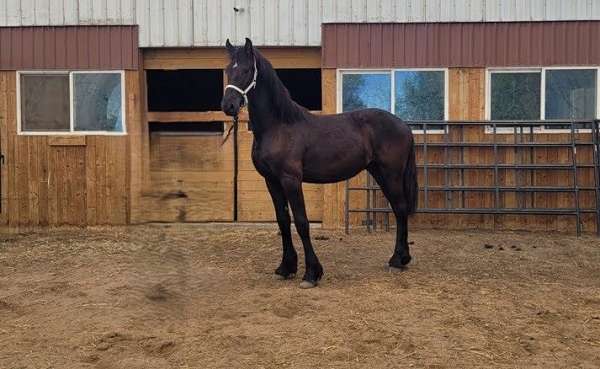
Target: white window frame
(542,70)
(392,73)
(71,131)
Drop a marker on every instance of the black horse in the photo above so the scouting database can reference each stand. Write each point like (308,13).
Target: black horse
(292,146)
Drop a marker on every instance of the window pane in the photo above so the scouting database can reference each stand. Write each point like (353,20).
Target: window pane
(44,102)
(368,90)
(571,94)
(97,102)
(420,95)
(515,96)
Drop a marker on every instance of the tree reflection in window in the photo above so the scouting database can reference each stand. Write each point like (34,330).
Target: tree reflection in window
(420,96)
(515,96)
(366,90)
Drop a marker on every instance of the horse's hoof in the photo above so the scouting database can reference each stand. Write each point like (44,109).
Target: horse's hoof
(393,269)
(307,284)
(280,277)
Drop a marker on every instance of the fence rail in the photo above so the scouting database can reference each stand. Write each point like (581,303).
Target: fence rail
(450,139)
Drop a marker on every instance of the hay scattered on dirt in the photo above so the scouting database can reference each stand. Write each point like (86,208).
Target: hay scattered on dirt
(199,296)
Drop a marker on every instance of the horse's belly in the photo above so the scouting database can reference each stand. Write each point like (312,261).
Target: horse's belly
(330,167)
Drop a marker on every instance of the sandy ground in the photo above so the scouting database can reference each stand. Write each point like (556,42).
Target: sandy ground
(203,296)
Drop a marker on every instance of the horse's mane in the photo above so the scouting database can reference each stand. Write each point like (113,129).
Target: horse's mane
(284,108)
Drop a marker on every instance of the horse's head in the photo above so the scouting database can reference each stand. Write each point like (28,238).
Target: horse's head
(241,76)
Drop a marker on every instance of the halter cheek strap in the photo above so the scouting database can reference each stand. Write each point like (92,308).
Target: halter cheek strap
(252,85)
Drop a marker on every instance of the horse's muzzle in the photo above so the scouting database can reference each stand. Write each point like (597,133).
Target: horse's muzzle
(230,109)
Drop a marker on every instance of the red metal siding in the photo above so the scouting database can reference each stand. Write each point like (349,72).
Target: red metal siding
(376,45)
(70,47)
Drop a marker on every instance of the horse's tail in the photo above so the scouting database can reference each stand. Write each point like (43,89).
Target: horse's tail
(411,186)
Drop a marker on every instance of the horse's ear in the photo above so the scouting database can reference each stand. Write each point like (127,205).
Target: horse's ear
(248,47)
(229,47)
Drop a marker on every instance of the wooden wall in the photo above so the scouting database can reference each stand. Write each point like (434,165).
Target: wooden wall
(191,179)
(90,180)
(65,180)
(466,102)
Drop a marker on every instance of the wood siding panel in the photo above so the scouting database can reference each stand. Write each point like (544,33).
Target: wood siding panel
(217,58)
(191,179)
(64,180)
(467,99)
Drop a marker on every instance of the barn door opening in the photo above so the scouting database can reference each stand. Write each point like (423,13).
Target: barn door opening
(191,170)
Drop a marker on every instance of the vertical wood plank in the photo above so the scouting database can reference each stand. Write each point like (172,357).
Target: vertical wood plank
(100,168)
(34,180)
(334,196)
(43,181)
(52,186)
(13,204)
(4,149)
(134,127)
(90,175)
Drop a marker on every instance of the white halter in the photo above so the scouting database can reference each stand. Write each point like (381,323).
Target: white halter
(252,84)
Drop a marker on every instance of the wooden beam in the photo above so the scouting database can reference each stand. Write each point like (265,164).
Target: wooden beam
(197,116)
(184,116)
(66,140)
(216,58)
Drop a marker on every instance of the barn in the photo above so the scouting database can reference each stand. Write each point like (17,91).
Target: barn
(109,110)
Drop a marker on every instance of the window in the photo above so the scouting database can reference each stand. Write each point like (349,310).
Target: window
(304,85)
(412,95)
(70,102)
(185,89)
(570,94)
(543,94)
(97,102)
(366,90)
(45,102)
(420,96)
(515,96)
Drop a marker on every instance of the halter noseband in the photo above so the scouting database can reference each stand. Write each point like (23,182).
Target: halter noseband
(252,84)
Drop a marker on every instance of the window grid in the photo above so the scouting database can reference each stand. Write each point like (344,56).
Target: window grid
(71,131)
(392,74)
(542,71)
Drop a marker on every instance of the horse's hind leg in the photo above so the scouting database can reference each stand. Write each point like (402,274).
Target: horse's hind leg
(289,262)
(392,187)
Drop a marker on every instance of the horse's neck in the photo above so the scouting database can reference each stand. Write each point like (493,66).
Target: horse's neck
(259,112)
(261,109)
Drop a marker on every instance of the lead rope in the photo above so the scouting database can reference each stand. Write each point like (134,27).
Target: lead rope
(234,124)
(235,167)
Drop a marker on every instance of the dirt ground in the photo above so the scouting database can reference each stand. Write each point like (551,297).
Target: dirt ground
(203,296)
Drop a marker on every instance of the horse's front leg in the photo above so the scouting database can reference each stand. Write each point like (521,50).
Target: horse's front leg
(293,191)
(289,262)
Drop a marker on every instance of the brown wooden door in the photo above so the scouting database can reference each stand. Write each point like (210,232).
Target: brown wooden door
(191,178)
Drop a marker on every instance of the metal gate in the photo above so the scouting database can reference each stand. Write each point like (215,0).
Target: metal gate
(496,138)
